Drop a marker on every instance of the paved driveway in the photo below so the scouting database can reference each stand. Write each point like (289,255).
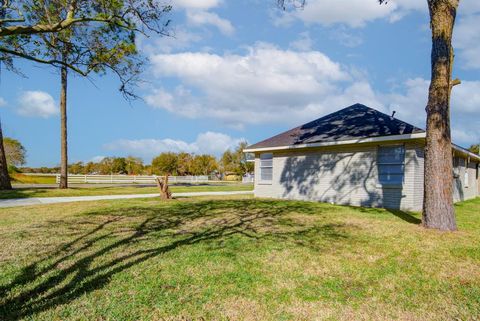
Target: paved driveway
(55,200)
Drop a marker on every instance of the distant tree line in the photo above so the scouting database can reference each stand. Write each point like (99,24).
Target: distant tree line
(232,162)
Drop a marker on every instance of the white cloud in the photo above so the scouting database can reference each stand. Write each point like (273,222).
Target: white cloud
(265,85)
(409,105)
(198,13)
(196,4)
(404,7)
(357,13)
(352,13)
(465,109)
(215,143)
(465,106)
(466,97)
(205,143)
(160,98)
(3,102)
(467,39)
(303,43)
(201,18)
(179,39)
(37,104)
(270,85)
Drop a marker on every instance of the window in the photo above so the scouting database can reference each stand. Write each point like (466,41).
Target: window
(391,165)
(266,167)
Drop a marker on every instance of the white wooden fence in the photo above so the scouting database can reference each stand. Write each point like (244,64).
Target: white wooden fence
(129,179)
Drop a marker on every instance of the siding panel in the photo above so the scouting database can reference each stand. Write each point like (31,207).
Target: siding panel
(342,175)
(349,175)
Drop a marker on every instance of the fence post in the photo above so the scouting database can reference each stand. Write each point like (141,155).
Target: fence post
(111,178)
(134,178)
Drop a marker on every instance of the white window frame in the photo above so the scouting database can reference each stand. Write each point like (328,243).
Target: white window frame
(402,163)
(266,161)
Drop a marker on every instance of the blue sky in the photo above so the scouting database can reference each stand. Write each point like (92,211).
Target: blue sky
(245,70)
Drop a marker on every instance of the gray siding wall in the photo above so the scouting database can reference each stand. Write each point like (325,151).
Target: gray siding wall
(461,190)
(342,175)
(348,175)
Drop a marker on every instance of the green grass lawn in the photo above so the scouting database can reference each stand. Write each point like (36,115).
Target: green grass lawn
(235,258)
(118,190)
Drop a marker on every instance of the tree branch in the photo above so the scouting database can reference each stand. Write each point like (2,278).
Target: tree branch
(55,27)
(53,62)
(2,21)
(295,3)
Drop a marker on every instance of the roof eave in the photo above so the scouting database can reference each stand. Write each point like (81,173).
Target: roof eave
(342,142)
(465,152)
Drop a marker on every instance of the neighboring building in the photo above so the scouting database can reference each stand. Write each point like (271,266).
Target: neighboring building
(356,156)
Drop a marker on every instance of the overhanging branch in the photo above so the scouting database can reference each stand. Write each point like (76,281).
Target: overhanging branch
(59,26)
(52,62)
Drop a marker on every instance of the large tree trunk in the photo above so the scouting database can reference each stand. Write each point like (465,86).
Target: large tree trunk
(5,183)
(63,130)
(162,184)
(438,210)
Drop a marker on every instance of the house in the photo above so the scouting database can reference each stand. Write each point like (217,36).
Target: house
(356,156)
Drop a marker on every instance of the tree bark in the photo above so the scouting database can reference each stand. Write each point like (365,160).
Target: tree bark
(438,210)
(5,183)
(63,129)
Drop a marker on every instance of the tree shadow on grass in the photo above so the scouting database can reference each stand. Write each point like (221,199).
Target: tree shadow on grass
(43,191)
(403,215)
(109,241)
(22,193)
(407,217)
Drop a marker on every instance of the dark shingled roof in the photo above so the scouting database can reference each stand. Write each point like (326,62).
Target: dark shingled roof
(356,121)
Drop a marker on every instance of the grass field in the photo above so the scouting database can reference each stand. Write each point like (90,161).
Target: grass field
(118,190)
(235,258)
(32,179)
